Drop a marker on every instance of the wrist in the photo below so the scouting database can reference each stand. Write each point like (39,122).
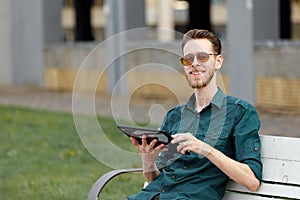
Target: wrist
(149,167)
(205,149)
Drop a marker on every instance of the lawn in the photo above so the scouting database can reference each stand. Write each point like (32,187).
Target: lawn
(42,157)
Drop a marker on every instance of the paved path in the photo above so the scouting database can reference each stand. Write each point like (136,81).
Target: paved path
(127,109)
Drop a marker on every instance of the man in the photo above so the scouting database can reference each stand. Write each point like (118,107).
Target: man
(215,136)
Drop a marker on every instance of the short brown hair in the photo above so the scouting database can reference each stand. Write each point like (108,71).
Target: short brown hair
(202,34)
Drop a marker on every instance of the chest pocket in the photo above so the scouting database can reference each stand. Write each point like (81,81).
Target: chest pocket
(189,121)
(217,138)
(219,129)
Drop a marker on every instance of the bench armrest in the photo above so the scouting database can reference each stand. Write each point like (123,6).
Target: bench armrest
(103,180)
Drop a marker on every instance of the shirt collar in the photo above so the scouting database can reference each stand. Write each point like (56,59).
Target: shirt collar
(217,100)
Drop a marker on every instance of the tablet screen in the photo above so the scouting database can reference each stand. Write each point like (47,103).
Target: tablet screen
(136,132)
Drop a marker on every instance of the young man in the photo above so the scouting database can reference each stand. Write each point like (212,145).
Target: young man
(215,136)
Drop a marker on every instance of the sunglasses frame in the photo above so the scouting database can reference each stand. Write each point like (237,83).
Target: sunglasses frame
(201,57)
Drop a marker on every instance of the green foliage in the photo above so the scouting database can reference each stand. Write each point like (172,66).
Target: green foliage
(42,157)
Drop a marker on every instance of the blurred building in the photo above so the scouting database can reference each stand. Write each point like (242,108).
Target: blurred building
(45,42)
(180,8)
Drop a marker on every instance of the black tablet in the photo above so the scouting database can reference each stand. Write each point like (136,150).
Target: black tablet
(162,136)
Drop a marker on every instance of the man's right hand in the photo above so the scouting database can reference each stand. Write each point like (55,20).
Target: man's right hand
(148,152)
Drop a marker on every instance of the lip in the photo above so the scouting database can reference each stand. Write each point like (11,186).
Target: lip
(196,73)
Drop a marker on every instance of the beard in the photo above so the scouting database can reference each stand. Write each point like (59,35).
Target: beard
(200,82)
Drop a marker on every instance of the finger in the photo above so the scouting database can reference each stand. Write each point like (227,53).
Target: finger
(134,141)
(185,149)
(160,148)
(153,143)
(173,141)
(144,140)
(180,147)
(164,149)
(177,137)
(184,145)
(181,136)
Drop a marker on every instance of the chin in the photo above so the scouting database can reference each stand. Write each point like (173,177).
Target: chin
(197,85)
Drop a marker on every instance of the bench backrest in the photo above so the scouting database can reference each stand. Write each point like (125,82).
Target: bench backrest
(281,171)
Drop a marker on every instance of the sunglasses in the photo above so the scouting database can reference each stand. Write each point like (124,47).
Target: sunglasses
(201,57)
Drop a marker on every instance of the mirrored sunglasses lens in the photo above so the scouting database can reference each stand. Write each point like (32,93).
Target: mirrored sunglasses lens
(186,61)
(202,57)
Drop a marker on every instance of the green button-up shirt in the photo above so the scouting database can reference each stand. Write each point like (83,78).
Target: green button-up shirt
(228,124)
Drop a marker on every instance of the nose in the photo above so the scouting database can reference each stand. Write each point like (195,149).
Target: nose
(195,61)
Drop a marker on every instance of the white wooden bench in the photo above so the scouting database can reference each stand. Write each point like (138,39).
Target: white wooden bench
(281,173)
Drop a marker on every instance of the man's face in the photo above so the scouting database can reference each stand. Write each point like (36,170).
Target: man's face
(200,71)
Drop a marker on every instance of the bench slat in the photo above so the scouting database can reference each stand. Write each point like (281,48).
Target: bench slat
(280,147)
(281,171)
(268,189)
(237,196)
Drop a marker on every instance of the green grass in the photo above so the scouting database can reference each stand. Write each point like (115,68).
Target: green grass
(42,157)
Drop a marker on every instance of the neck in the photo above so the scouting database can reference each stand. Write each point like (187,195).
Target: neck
(204,96)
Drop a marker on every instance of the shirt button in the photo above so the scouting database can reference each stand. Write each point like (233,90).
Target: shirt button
(162,191)
(173,176)
(255,149)
(184,167)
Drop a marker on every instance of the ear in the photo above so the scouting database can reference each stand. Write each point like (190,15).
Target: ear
(219,62)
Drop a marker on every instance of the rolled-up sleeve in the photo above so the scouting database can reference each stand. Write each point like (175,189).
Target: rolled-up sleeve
(247,141)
